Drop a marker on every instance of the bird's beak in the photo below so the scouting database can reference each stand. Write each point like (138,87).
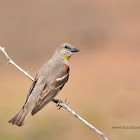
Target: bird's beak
(74,50)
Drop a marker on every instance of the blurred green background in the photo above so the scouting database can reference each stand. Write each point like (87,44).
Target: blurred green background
(104,84)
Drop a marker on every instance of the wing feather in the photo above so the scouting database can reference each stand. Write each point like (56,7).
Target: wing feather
(50,91)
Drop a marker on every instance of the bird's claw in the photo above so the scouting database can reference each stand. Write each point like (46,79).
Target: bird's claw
(59,102)
(59,107)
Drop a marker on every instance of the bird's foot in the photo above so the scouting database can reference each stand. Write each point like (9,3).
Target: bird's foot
(59,103)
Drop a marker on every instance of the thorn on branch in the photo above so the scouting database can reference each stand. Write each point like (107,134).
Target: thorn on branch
(2,49)
(65,100)
(9,62)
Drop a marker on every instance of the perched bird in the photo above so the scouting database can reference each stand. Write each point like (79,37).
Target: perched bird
(50,79)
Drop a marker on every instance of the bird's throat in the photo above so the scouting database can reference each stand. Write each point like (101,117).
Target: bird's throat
(67,58)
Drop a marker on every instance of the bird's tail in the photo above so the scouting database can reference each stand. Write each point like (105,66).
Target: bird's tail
(20,117)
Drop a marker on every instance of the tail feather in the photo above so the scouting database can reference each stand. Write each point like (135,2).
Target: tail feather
(19,118)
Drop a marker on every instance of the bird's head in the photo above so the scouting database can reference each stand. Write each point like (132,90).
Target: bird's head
(66,50)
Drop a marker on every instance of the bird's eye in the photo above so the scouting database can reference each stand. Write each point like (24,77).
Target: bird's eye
(66,47)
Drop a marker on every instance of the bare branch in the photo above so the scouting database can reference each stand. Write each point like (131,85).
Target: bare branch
(13,63)
(65,105)
(58,102)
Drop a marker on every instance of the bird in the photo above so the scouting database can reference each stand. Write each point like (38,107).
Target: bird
(48,82)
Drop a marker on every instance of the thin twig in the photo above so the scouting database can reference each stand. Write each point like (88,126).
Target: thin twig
(60,104)
(64,105)
(13,63)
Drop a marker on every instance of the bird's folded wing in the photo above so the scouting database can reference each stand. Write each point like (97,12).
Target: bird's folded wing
(49,92)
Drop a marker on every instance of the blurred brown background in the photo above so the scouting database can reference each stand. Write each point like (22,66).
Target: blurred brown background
(104,84)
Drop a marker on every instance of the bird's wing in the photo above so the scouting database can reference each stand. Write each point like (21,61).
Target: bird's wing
(50,91)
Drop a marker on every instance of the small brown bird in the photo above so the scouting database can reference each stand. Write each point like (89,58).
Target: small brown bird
(50,79)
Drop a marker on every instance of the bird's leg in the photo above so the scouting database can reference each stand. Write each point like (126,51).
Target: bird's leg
(59,103)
